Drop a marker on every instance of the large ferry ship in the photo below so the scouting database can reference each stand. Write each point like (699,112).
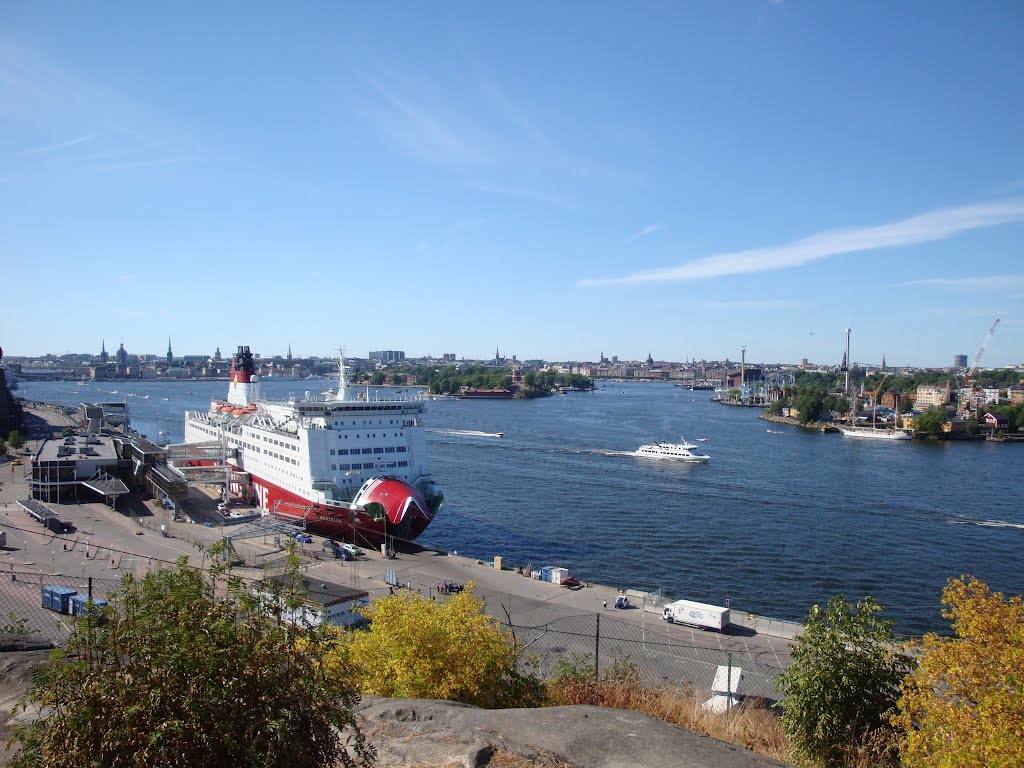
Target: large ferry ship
(349,465)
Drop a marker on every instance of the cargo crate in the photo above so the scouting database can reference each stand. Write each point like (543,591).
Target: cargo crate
(58,598)
(79,603)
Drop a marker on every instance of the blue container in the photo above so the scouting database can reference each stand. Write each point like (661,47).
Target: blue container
(545,573)
(58,598)
(79,603)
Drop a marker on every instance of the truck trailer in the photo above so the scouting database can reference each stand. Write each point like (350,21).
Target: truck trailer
(697,614)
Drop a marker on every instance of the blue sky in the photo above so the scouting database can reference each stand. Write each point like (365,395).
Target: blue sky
(554,179)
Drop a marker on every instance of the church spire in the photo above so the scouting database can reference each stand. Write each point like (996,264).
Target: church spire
(170,355)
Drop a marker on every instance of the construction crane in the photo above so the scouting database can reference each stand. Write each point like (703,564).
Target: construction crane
(965,400)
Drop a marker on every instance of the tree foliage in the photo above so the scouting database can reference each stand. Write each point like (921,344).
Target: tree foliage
(844,679)
(964,705)
(931,421)
(189,672)
(15,439)
(421,648)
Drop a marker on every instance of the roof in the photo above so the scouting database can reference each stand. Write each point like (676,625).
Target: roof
(323,592)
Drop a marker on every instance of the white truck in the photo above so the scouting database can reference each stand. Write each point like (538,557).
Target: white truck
(698,614)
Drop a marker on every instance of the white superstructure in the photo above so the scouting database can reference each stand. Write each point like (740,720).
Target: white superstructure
(682,451)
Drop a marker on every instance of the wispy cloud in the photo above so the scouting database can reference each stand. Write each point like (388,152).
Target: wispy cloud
(926,227)
(650,229)
(53,147)
(981,283)
(41,94)
(474,127)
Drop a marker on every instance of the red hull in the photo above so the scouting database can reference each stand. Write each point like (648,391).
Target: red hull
(356,525)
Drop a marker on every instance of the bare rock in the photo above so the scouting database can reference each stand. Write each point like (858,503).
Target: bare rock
(442,734)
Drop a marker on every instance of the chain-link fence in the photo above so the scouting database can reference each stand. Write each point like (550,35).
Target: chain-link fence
(585,642)
(21,602)
(600,643)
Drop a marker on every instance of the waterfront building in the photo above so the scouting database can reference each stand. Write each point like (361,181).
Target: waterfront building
(931,395)
(997,422)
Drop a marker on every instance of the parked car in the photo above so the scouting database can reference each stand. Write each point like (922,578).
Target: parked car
(351,549)
(304,538)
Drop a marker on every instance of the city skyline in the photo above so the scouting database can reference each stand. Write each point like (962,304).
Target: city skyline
(957,360)
(675,180)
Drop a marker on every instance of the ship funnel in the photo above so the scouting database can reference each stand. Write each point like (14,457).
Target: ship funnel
(244,387)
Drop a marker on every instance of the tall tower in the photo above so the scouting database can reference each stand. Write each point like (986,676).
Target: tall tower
(104,357)
(170,355)
(846,363)
(289,351)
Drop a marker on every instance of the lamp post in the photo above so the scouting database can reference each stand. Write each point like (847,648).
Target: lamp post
(25,542)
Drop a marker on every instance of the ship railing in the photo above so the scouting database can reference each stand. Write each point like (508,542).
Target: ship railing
(321,398)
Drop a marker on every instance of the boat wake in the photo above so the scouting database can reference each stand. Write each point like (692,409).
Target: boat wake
(604,452)
(988,523)
(466,433)
(776,432)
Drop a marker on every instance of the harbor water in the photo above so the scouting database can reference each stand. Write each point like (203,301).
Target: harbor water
(780,519)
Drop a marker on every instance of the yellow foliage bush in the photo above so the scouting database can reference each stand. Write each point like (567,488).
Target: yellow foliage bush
(964,705)
(421,648)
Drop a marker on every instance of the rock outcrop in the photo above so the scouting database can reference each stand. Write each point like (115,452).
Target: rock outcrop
(426,733)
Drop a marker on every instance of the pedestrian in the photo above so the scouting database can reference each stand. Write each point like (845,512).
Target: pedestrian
(605,605)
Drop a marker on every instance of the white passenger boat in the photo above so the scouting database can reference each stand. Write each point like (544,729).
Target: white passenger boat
(682,451)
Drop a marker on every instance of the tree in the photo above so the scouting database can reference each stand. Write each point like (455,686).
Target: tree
(15,440)
(377,378)
(3,447)
(186,672)
(844,679)
(964,705)
(810,403)
(931,421)
(420,648)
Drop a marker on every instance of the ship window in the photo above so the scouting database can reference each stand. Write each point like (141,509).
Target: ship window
(332,451)
(357,466)
(403,463)
(334,467)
